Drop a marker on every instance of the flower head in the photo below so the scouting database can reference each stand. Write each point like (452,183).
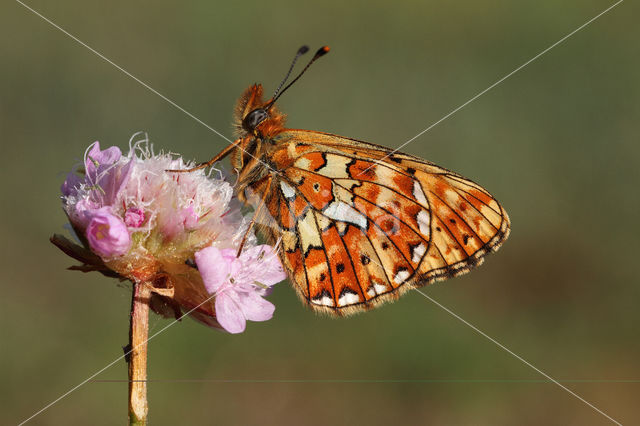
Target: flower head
(147,224)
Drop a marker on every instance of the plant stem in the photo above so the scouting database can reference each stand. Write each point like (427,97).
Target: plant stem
(138,335)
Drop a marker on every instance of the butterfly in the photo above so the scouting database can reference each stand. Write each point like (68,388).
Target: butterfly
(356,224)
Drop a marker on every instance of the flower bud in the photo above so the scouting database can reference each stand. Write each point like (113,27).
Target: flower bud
(107,234)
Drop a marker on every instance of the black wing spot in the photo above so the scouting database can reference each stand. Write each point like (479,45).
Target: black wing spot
(411,170)
(452,220)
(364,259)
(385,245)
(316,187)
(321,295)
(401,269)
(340,267)
(312,247)
(438,229)
(465,238)
(322,277)
(324,161)
(346,291)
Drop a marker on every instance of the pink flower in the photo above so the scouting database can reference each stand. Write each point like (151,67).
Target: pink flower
(134,217)
(106,175)
(107,234)
(96,161)
(71,184)
(239,283)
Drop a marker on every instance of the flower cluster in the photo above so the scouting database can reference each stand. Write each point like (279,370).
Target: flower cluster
(178,231)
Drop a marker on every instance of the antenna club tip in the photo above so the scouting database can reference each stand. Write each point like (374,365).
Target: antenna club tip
(323,50)
(303,49)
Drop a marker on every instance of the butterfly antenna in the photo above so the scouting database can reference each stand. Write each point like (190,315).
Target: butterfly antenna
(321,52)
(300,52)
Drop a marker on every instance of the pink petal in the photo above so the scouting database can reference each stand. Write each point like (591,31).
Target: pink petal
(170,225)
(228,314)
(96,158)
(113,181)
(189,218)
(83,211)
(235,267)
(213,267)
(71,184)
(229,253)
(254,307)
(266,263)
(104,175)
(273,273)
(107,234)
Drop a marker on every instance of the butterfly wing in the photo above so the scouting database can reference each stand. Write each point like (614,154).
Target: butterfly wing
(359,226)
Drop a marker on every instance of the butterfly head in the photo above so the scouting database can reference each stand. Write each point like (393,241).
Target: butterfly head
(255,117)
(251,121)
(258,122)
(259,118)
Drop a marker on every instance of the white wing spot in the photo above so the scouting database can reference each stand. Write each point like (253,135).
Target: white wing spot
(424,219)
(418,193)
(323,221)
(348,299)
(309,235)
(371,292)
(302,162)
(289,240)
(418,252)
(287,190)
(401,276)
(379,288)
(336,166)
(345,213)
(324,301)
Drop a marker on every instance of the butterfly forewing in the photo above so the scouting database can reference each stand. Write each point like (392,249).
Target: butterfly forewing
(359,225)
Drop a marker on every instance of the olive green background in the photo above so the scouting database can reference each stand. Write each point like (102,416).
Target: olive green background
(557,143)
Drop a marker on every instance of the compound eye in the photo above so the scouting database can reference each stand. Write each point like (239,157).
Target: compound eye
(255,117)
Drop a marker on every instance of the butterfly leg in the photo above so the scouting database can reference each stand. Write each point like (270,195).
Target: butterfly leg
(215,159)
(260,206)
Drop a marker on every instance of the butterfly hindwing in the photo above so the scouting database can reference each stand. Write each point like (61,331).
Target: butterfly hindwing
(360,225)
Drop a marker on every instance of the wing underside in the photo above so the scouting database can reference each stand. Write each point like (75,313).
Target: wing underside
(358,229)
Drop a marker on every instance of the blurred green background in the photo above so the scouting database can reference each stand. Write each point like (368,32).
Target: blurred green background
(557,143)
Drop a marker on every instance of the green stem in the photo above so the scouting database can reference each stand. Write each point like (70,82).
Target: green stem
(138,335)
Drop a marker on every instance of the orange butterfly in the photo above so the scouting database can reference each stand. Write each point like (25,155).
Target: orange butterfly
(357,224)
